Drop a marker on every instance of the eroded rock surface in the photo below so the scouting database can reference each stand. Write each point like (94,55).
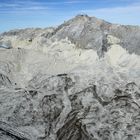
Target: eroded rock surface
(80,81)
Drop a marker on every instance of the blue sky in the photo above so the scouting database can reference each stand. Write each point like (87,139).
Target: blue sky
(43,13)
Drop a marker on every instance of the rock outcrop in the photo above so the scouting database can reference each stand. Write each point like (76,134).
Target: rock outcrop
(79,81)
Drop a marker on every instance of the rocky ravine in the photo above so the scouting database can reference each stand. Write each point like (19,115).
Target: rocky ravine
(79,81)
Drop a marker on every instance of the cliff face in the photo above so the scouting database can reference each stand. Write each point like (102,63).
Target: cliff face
(79,81)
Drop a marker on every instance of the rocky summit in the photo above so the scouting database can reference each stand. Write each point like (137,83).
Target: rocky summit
(78,81)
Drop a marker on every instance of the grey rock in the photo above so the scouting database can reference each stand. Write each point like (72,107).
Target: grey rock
(54,86)
(86,32)
(90,32)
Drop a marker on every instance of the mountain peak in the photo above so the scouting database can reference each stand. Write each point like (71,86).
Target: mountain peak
(85,17)
(54,85)
(84,31)
(82,16)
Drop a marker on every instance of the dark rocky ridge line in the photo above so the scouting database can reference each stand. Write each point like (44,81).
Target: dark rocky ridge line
(12,132)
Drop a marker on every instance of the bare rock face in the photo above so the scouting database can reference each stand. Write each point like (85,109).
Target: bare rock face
(80,81)
(84,31)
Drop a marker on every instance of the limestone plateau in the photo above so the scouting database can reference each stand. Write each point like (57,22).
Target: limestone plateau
(78,81)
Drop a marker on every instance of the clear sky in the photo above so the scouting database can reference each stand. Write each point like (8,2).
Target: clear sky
(43,13)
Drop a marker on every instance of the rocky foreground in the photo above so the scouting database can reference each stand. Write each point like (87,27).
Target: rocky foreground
(79,81)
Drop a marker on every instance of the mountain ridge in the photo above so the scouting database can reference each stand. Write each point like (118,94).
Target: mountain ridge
(80,81)
(93,30)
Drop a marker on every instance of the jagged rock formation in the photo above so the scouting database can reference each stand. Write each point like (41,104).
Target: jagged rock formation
(85,32)
(79,81)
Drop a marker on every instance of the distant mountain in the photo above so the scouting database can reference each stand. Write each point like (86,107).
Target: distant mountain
(86,32)
(79,81)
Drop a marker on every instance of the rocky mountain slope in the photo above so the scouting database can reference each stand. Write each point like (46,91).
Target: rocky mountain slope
(79,81)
